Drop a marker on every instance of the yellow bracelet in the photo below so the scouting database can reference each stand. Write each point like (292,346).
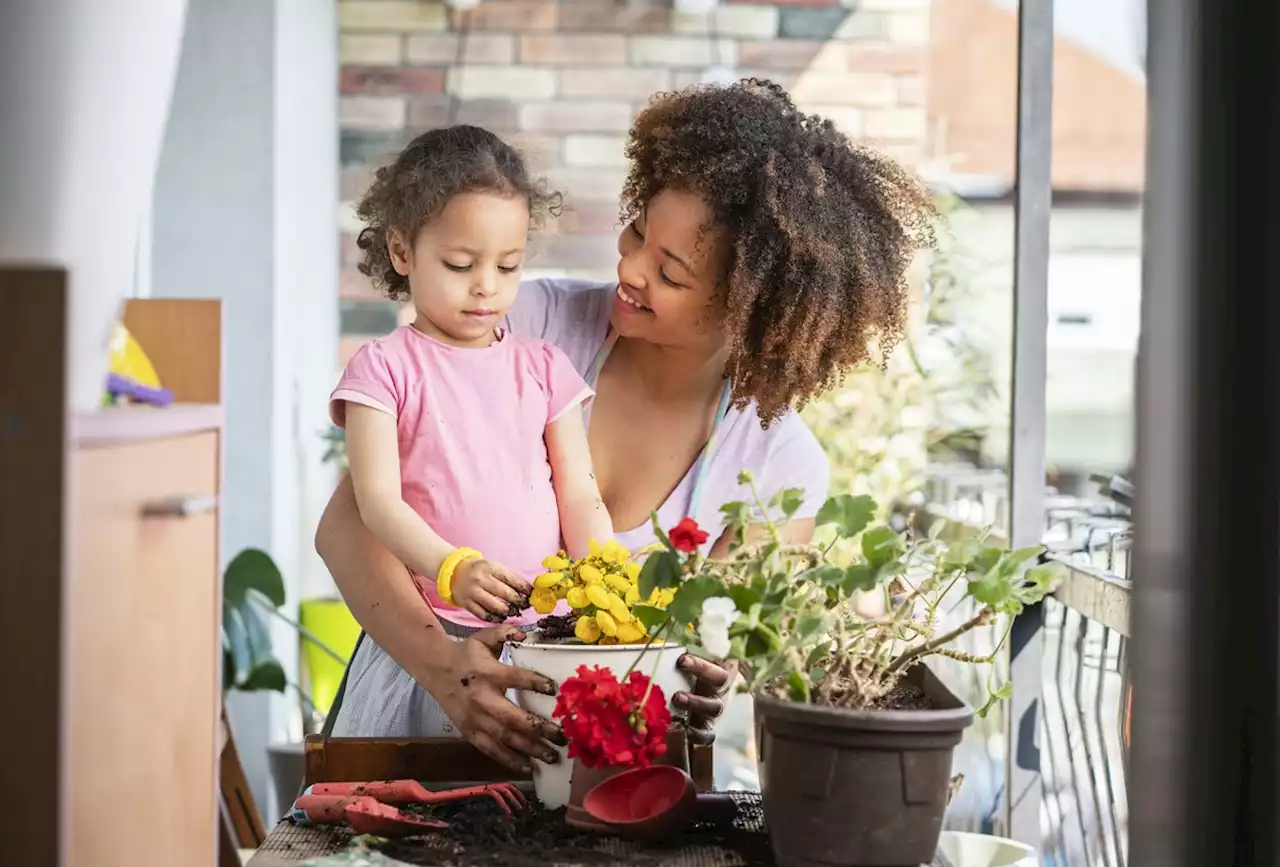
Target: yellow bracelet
(444,578)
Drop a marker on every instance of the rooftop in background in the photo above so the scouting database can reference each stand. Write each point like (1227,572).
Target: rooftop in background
(1099,117)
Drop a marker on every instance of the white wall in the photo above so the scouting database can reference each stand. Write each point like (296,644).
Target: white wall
(243,211)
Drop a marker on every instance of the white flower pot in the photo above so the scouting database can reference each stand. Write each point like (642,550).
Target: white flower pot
(982,850)
(559,662)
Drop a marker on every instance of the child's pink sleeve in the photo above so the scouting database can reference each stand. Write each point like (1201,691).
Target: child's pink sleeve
(565,386)
(369,380)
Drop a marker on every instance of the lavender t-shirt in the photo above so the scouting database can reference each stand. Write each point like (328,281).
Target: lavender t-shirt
(574,315)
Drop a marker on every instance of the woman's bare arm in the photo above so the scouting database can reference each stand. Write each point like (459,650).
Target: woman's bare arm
(377,587)
(797,532)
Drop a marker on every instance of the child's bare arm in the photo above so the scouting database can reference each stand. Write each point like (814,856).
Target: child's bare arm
(374,458)
(484,588)
(583,515)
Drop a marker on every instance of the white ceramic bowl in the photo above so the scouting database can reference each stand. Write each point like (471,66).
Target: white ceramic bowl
(982,850)
(559,662)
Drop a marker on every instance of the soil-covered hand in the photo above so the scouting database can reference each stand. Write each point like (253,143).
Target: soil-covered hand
(471,684)
(711,682)
(489,590)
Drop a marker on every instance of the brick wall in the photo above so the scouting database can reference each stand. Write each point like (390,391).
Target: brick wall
(564,79)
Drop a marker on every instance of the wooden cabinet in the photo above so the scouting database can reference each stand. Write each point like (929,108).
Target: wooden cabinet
(117,644)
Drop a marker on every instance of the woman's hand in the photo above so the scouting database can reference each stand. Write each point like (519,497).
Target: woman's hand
(712,682)
(489,590)
(471,685)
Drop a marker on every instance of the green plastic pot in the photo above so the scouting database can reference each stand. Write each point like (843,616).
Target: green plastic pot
(330,621)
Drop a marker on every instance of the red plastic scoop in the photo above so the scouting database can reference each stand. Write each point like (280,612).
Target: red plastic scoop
(656,801)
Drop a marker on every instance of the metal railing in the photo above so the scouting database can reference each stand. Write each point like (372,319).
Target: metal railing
(1082,721)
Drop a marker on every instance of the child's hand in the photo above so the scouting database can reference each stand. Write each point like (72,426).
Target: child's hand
(489,590)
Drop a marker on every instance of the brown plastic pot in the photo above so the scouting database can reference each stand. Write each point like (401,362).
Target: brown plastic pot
(858,788)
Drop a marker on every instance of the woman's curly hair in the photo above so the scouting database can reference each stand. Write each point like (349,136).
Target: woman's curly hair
(821,232)
(431,170)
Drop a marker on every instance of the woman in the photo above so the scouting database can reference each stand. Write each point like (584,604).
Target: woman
(763,255)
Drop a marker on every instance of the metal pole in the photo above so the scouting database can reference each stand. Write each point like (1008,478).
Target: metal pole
(1033,198)
(1207,559)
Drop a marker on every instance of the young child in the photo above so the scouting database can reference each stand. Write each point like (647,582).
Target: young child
(466,444)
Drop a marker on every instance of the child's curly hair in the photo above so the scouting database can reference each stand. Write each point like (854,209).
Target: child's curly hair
(822,232)
(431,170)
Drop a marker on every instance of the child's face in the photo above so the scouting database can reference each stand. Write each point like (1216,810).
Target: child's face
(464,266)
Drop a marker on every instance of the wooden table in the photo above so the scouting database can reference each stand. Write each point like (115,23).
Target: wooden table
(734,834)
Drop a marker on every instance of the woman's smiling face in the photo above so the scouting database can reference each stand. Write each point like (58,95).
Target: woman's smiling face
(672,263)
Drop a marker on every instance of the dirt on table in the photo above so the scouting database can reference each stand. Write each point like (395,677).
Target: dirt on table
(480,834)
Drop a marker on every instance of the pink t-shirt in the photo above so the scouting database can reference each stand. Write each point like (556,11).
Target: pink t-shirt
(473,461)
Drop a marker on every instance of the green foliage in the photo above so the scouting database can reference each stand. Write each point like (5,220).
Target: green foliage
(796,616)
(252,581)
(931,400)
(252,595)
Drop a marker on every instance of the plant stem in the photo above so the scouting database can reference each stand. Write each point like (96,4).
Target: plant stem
(764,512)
(979,619)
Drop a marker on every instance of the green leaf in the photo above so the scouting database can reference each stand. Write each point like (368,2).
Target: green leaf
(990,589)
(850,514)
(266,675)
(252,569)
(790,500)
(816,674)
(817,654)
(1039,582)
(798,687)
(744,597)
(881,545)
(1004,692)
(686,607)
(824,576)
(651,617)
(1022,555)
(860,576)
(772,640)
(661,570)
(960,552)
(809,627)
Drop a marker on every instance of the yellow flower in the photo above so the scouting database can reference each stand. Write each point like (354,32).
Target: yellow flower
(632,571)
(593,548)
(555,562)
(617,582)
(547,579)
(590,574)
(630,633)
(606,622)
(577,598)
(615,553)
(665,597)
(632,596)
(543,600)
(599,596)
(606,640)
(587,629)
(619,609)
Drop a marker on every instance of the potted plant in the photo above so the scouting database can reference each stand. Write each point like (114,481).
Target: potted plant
(855,733)
(252,594)
(600,638)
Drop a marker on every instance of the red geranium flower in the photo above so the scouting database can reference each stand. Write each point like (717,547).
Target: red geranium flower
(610,723)
(687,535)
